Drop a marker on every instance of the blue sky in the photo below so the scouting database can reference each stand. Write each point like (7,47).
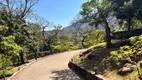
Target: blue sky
(59,11)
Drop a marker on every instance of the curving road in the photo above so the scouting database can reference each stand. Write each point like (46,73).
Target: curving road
(49,68)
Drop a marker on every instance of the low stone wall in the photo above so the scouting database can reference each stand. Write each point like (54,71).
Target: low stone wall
(38,55)
(82,73)
(126,34)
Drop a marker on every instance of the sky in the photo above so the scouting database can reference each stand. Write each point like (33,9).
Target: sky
(59,11)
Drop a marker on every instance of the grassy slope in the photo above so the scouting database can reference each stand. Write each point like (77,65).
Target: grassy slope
(101,62)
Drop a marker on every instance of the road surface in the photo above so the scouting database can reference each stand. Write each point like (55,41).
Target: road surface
(53,67)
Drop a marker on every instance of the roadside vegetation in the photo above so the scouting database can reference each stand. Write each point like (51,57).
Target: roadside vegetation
(113,28)
(25,35)
(119,57)
(122,62)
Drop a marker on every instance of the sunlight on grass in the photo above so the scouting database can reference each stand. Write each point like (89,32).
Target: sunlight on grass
(78,59)
(131,76)
(102,63)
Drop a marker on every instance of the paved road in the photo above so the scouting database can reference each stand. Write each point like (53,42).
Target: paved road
(50,68)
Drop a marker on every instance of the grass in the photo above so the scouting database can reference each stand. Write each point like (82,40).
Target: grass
(78,58)
(131,76)
(97,58)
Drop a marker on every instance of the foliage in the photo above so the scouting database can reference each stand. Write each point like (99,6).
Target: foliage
(22,8)
(24,33)
(99,13)
(129,13)
(129,52)
(64,45)
(9,50)
(94,38)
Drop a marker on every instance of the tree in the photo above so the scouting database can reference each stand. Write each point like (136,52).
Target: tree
(83,29)
(16,27)
(20,29)
(99,13)
(52,37)
(44,25)
(8,51)
(20,8)
(126,12)
(95,37)
(52,32)
(129,10)
(35,29)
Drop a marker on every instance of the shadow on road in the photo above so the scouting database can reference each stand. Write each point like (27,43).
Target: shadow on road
(65,74)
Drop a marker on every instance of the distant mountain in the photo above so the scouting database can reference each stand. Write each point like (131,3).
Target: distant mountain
(68,28)
(71,28)
(47,32)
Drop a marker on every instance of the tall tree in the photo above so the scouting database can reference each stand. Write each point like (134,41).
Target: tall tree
(53,36)
(20,29)
(129,10)
(126,12)
(52,32)
(21,8)
(82,28)
(99,13)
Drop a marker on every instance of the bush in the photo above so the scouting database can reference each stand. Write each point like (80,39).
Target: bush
(94,38)
(133,53)
(9,51)
(64,45)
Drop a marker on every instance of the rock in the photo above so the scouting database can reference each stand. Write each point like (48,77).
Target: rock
(124,70)
(132,66)
(96,69)
(127,68)
(126,60)
(128,65)
(92,72)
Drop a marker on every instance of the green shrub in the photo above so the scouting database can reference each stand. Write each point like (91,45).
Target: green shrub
(9,50)
(94,38)
(64,45)
(126,52)
(134,39)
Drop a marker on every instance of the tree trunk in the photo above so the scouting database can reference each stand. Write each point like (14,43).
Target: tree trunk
(35,56)
(22,57)
(108,37)
(43,31)
(129,24)
(82,42)
(50,49)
